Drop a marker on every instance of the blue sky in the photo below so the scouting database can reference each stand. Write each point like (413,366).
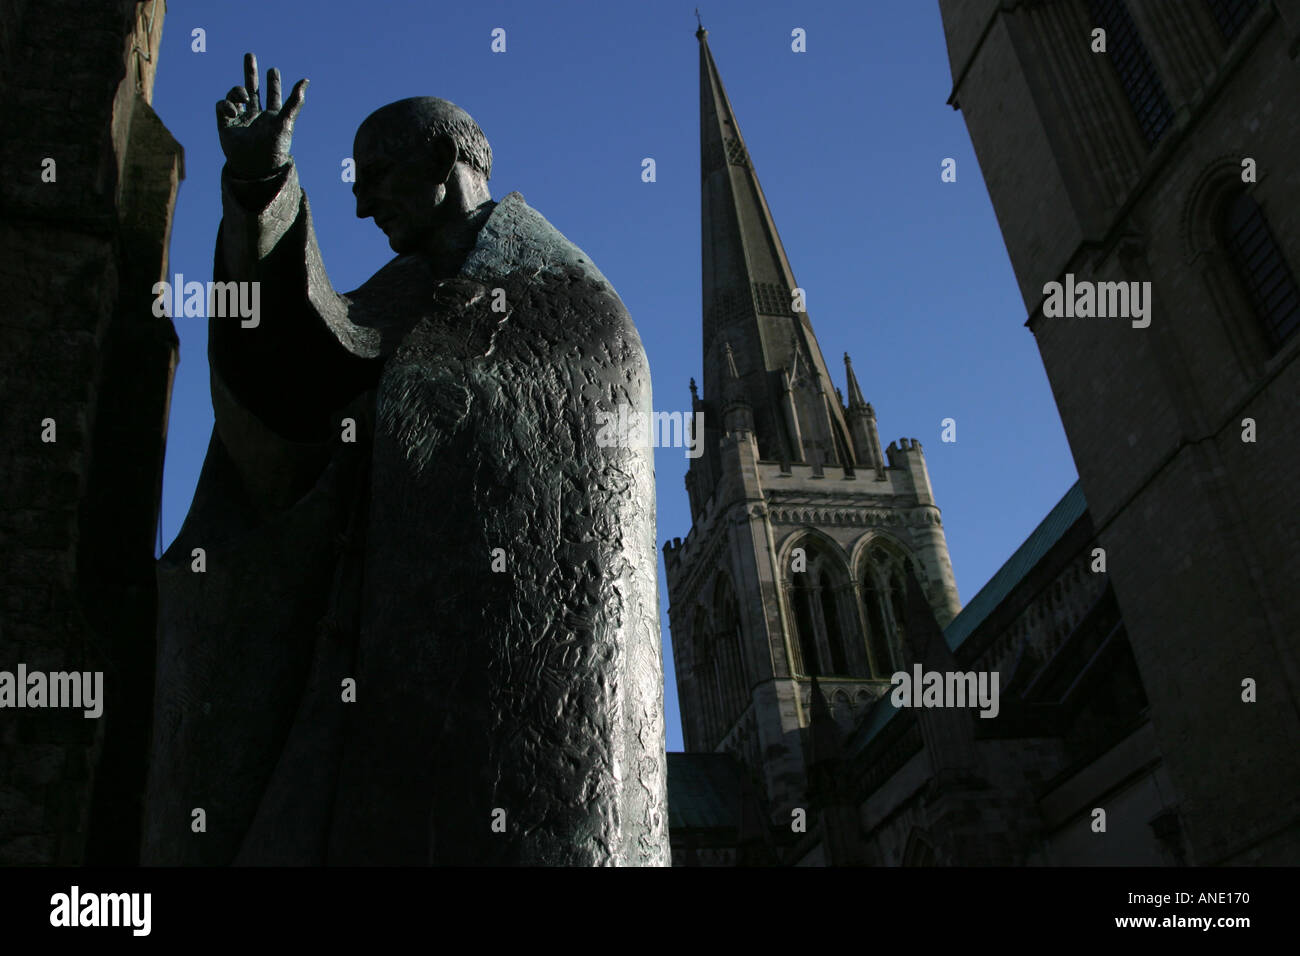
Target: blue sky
(907,273)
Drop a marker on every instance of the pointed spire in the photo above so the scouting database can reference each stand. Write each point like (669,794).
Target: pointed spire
(695,394)
(855,392)
(862,425)
(747,290)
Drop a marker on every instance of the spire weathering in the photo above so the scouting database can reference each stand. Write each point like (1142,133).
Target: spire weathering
(748,298)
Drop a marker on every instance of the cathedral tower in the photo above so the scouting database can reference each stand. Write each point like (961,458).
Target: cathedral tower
(803,531)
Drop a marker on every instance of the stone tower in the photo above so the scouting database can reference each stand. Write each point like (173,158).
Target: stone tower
(1167,161)
(802,532)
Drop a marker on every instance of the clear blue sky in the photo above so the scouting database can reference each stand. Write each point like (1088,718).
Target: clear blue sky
(908,274)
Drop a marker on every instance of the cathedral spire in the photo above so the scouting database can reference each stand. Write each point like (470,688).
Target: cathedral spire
(749,300)
(855,393)
(862,425)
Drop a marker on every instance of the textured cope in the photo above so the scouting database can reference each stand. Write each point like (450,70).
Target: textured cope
(535,690)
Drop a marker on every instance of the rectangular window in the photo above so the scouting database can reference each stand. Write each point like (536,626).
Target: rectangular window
(1263,271)
(1137,75)
(1231,15)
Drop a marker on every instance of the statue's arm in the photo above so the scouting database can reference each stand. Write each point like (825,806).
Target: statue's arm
(283,376)
(255,216)
(282,384)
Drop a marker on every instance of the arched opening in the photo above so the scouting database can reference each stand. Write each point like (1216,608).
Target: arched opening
(898,605)
(1260,267)
(883,586)
(801,598)
(878,631)
(820,596)
(831,618)
(706,679)
(730,651)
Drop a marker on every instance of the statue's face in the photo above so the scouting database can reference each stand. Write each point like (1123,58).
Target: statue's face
(401,192)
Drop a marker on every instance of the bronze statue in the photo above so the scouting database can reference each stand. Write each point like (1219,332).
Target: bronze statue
(412,616)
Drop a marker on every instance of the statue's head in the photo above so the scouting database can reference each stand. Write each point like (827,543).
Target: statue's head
(422,164)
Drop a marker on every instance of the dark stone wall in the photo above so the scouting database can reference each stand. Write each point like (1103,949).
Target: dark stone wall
(1199,526)
(78,258)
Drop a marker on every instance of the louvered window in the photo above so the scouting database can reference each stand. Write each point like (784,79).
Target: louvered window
(1132,63)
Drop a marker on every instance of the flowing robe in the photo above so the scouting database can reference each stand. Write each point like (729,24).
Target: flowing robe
(474,567)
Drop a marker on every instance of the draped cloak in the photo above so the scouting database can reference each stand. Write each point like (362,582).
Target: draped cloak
(435,640)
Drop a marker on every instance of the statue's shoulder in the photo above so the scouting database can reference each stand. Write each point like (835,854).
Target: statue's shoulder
(517,239)
(519,249)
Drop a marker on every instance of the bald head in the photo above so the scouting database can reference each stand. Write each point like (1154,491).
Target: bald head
(415,123)
(422,166)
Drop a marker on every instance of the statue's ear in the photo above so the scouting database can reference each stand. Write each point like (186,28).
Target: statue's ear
(442,159)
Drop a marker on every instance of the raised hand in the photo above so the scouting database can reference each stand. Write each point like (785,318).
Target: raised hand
(256,141)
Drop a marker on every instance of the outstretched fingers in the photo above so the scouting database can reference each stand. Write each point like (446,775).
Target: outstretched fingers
(250,82)
(273,101)
(294,104)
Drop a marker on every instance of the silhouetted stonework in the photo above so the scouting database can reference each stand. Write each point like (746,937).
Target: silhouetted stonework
(1200,527)
(1122,685)
(78,259)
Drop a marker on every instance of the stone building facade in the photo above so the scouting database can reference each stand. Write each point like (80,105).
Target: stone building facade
(1169,159)
(1145,635)
(90,178)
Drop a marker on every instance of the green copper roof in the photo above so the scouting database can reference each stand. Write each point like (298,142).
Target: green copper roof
(703,791)
(1049,531)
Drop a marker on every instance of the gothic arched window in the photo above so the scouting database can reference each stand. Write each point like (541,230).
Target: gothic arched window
(1261,269)
(820,596)
(898,600)
(729,651)
(878,630)
(801,598)
(831,620)
(884,599)
(706,679)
